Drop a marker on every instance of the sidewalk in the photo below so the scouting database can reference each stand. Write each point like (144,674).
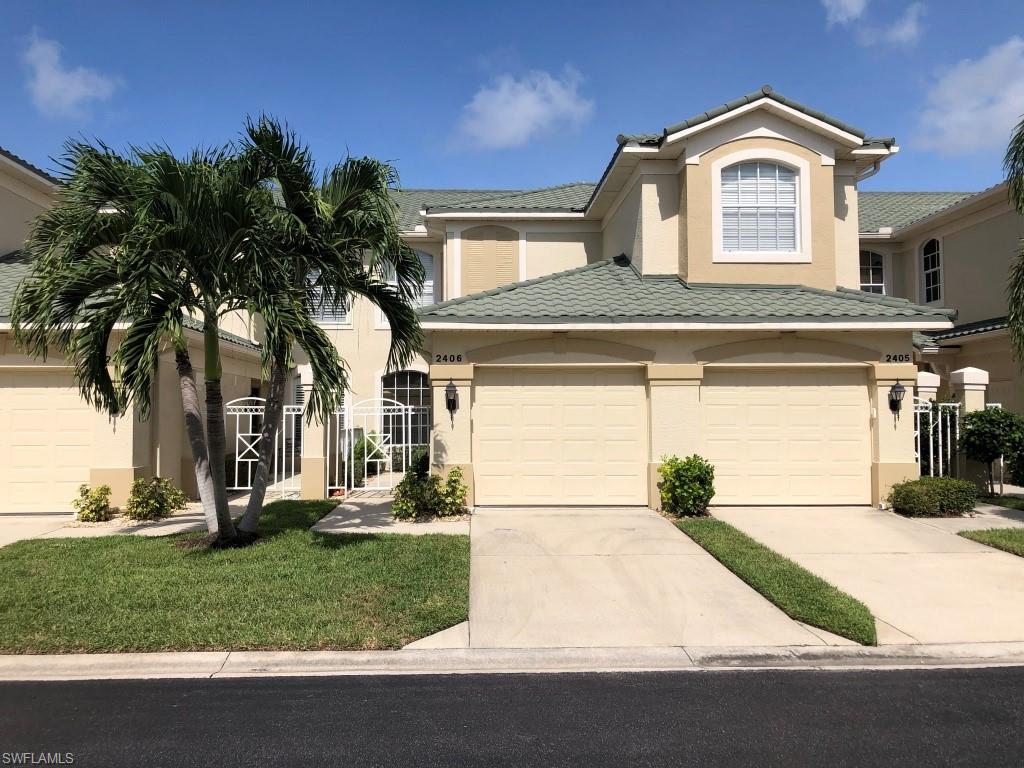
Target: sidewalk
(223,664)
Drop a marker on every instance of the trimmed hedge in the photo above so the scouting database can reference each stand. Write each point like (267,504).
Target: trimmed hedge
(687,485)
(934,497)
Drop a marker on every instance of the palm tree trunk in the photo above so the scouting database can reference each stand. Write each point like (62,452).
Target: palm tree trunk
(268,441)
(215,437)
(196,436)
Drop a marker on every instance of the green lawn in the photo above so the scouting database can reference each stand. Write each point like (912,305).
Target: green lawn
(798,592)
(1009,539)
(293,589)
(1013,502)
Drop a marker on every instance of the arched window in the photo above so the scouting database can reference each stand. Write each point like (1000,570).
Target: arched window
(931,270)
(759,203)
(872,272)
(409,388)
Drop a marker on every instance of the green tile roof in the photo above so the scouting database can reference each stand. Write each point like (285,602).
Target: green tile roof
(900,209)
(412,201)
(28,166)
(14,267)
(970,329)
(564,197)
(763,92)
(612,291)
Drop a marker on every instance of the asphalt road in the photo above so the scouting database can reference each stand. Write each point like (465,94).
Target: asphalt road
(795,718)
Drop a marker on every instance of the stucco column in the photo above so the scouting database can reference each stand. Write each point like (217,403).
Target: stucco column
(969,388)
(928,385)
(451,442)
(673,392)
(119,449)
(893,458)
(313,484)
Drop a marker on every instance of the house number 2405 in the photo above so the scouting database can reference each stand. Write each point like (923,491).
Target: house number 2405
(447,358)
(904,357)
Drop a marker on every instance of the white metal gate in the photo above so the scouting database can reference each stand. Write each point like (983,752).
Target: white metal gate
(936,436)
(245,419)
(370,444)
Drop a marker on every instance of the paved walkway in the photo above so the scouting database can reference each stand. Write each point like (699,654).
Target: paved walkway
(923,584)
(557,578)
(371,513)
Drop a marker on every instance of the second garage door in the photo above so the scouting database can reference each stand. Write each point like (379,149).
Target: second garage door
(787,438)
(45,441)
(558,437)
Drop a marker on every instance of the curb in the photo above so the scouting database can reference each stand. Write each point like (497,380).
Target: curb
(242,664)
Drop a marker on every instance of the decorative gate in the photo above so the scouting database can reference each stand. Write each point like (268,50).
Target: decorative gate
(245,419)
(370,444)
(936,436)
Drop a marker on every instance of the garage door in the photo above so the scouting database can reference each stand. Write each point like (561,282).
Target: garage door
(787,438)
(45,441)
(558,437)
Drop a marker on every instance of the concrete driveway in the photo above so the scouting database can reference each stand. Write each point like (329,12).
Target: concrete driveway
(557,578)
(923,584)
(16,526)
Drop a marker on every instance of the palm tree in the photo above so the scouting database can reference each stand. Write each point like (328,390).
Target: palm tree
(1013,164)
(139,249)
(323,232)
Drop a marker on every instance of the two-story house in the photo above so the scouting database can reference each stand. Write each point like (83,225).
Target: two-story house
(949,249)
(704,296)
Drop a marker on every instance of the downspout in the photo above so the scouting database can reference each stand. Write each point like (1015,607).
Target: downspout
(870,171)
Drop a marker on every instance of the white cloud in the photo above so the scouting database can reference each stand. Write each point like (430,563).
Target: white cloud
(511,111)
(905,30)
(976,104)
(843,11)
(60,91)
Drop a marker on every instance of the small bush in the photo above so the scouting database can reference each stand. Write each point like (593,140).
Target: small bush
(153,499)
(687,485)
(990,433)
(933,497)
(420,498)
(420,461)
(93,504)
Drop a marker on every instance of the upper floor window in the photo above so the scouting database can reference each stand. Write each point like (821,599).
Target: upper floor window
(326,314)
(931,270)
(872,272)
(426,297)
(759,203)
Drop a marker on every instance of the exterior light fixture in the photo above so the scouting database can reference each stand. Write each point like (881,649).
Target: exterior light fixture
(451,399)
(896,394)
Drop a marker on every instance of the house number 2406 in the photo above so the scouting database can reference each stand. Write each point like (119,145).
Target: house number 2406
(904,357)
(447,358)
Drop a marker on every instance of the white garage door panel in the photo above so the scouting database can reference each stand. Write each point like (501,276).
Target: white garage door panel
(559,437)
(45,441)
(787,438)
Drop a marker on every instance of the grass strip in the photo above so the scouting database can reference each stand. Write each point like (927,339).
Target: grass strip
(1007,539)
(798,592)
(293,589)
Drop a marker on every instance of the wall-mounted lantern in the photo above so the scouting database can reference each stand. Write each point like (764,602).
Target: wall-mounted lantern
(451,400)
(896,394)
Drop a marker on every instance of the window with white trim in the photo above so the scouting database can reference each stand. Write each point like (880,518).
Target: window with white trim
(931,271)
(408,388)
(325,313)
(426,295)
(759,208)
(872,272)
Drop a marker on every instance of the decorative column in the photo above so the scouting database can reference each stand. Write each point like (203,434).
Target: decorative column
(673,392)
(451,436)
(928,385)
(892,433)
(969,387)
(314,467)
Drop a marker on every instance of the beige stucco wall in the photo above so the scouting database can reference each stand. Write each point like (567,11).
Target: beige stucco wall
(22,198)
(550,252)
(821,272)
(847,241)
(623,228)
(661,221)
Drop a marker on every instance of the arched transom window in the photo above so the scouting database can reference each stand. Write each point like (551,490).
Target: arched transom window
(759,202)
(409,388)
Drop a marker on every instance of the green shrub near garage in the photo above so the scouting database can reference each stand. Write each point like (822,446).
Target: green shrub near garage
(934,497)
(154,498)
(421,495)
(93,504)
(687,485)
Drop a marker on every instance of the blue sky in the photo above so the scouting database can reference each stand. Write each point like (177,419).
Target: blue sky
(522,95)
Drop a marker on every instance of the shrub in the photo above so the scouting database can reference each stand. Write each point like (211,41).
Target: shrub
(421,497)
(933,497)
(990,433)
(93,504)
(154,498)
(687,485)
(419,462)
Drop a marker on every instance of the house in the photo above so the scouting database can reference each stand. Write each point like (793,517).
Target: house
(52,441)
(949,249)
(704,296)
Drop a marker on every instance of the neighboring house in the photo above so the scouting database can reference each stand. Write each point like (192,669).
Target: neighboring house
(51,441)
(949,249)
(702,297)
